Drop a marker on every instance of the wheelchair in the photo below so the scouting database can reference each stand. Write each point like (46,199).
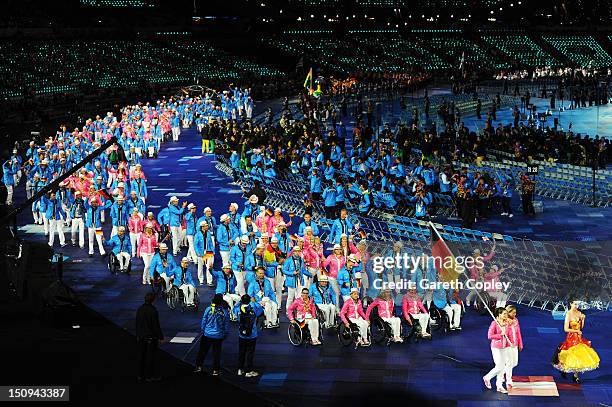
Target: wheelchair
(479,305)
(349,336)
(380,330)
(299,333)
(261,322)
(413,330)
(158,286)
(175,296)
(439,319)
(113,264)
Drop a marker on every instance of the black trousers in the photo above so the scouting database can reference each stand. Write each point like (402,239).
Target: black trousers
(527,204)
(246,352)
(506,207)
(205,344)
(468,213)
(147,354)
(460,203)
(483,207)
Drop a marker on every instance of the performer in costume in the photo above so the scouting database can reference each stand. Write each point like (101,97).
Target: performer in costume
(575,355)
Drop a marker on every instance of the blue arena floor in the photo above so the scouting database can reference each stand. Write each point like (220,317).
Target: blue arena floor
(448,369)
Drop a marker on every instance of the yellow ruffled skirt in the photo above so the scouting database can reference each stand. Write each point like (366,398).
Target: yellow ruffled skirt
(577,359)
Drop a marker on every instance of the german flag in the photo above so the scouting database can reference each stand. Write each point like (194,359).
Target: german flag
(104,193)
(294,237)
(269,212)
(444,260)
(362,233)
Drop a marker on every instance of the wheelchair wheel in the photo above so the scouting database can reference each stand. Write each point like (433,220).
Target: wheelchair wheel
(346,336)
(479,306)
(112,263)
(261,323)
(379,331)
(437,318)
(295,334)
(196,300)
(409,331)
(172,297)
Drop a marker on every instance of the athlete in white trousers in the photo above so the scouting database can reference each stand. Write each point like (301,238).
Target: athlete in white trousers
(277,285)
(500,347)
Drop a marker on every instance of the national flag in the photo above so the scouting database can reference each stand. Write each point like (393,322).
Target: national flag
(104,193)
(308,80)
(543,386)
(294,237)
(269,212)
(444,260)
(362,233)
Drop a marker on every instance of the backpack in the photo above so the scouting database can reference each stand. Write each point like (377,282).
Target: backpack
(247,320)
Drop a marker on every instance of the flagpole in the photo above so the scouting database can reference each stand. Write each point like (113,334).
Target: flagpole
(431,225)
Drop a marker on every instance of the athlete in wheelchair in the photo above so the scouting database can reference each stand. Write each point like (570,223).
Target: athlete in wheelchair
(303,321)
(261,289)
(355,327)
(119,256)
(416,315)
(325,299)
(226,286)
(183,289)
(161,269)
(444,311)
(384,325)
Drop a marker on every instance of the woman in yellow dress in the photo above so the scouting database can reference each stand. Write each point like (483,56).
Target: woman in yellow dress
(575,355)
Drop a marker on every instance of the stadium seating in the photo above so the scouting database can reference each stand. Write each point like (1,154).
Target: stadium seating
(583,50)
(48,67)
(120,3)
(455,47)
(522,49)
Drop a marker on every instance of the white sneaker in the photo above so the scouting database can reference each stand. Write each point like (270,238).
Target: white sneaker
(240,372)
(511,215)
(504,213)
(251,374)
